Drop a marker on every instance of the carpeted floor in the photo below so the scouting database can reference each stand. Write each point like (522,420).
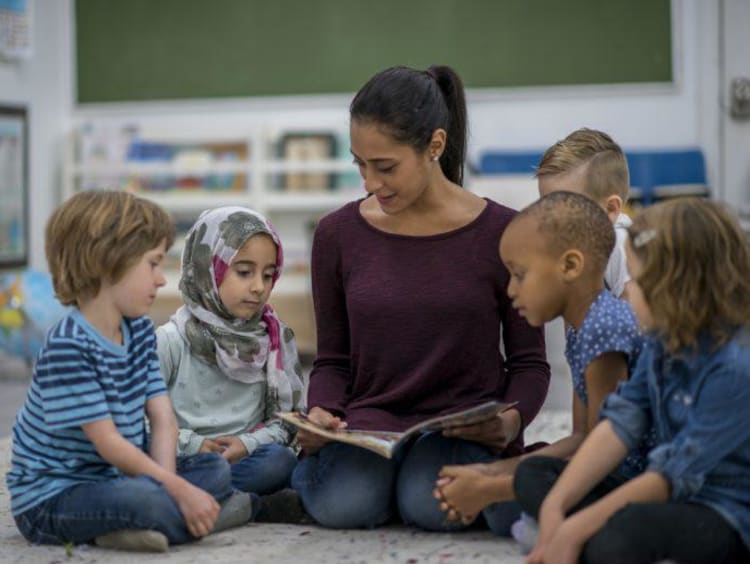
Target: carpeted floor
(290,543)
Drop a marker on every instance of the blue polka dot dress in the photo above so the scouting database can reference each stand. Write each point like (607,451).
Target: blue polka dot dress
(610,325)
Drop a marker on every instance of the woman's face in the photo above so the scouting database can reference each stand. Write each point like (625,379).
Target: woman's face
(394,173)
(635,293)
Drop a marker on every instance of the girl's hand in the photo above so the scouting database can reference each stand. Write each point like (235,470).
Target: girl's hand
(312,443)
(209,445)
(567,543)
(551,519)
(495,433)
(233,449)
(536,556)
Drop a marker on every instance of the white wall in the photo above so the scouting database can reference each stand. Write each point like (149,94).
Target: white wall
(42,84)
(683,114)
(735,132)
(647,116)
(638,116)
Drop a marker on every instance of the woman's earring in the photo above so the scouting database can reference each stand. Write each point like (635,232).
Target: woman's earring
(435,157)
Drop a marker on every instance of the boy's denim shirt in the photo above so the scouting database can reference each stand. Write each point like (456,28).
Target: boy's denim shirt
(699,403)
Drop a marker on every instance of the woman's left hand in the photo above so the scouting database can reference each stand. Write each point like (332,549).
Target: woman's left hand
(234,448)
(496,433)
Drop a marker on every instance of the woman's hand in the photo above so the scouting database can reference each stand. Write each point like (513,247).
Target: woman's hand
(233,449)
(465,490)
(496,433)
(312,443)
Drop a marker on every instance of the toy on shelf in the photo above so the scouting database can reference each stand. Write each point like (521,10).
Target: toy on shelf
(28,309)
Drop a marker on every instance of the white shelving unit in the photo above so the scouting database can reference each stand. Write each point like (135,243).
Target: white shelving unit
(98,158)
(254,178)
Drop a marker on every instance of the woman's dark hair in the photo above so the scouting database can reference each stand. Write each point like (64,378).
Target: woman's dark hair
(411,104)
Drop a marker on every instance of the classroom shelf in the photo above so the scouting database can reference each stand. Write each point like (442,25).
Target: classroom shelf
(187,168)
(306,201)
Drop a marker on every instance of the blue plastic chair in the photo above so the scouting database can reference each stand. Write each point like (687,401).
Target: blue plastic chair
(663,173)
(509,162)
(653,174)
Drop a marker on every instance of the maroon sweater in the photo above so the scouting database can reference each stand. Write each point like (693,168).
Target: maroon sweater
(409,327)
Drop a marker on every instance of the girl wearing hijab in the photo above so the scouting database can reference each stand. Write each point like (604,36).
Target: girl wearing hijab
(229,362)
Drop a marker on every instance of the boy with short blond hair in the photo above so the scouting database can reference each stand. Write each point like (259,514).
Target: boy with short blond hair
(589,162)
(79,468)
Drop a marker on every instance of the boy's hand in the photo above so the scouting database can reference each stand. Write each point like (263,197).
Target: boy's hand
(312,443)
(495,433)
(209,445)
(198,507)
(233,449)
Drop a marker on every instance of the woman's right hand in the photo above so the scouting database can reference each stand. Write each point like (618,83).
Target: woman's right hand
(312,443)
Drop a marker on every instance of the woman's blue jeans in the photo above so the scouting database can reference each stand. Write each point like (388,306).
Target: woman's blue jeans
(87,510)
(344,486)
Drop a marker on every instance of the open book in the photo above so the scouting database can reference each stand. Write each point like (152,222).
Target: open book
(385,443)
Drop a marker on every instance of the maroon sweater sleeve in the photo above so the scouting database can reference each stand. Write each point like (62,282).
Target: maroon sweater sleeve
(527,370)
(331,373)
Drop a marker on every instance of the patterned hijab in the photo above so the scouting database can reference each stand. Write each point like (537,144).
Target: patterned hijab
(260,349)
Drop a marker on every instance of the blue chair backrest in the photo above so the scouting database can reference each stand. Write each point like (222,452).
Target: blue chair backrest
(649,169)
(509,162)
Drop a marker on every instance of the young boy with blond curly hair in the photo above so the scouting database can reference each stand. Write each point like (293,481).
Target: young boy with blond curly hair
(82,467)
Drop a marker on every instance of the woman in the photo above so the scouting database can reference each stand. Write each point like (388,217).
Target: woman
(410,300)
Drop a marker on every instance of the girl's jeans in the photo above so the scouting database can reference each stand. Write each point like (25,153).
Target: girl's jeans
(265,470)
(344,486)
(87,510)
(639,532)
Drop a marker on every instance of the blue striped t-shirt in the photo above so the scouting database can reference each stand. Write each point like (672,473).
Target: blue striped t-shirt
(80,377)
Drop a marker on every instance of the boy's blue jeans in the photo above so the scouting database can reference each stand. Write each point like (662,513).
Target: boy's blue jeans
(265,470)
(344,486)
(87,510)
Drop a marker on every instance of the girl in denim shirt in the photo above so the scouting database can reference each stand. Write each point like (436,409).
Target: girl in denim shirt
(690,262)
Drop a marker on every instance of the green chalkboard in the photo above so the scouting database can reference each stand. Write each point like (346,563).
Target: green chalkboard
(174,49)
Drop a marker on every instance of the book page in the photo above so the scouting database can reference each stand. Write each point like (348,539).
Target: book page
(380,442)
(471,416)
(385,442)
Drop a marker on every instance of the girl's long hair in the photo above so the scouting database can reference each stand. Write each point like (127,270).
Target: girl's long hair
(695,275)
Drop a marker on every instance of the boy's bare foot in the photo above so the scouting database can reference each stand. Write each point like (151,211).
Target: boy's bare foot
(465,490)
